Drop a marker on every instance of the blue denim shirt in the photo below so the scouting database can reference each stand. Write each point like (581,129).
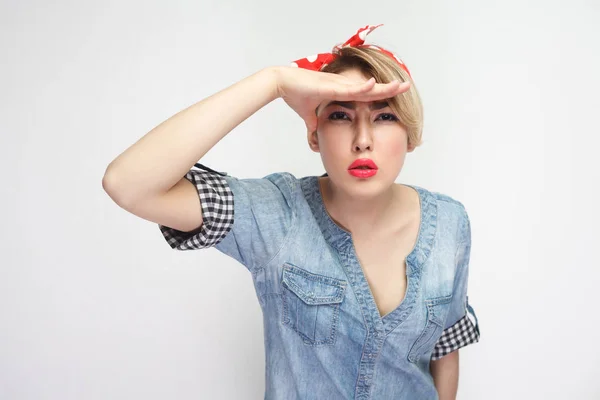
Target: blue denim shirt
(324,336)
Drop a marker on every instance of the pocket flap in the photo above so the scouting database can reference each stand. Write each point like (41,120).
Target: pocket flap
(437,308)
(313,289)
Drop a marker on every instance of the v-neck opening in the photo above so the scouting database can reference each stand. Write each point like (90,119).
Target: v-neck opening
(406,262)
(411,284)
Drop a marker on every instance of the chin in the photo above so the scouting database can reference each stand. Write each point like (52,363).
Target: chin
(366,187)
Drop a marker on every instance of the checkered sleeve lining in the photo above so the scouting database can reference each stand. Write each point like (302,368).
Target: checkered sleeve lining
(216,202)
(461,334)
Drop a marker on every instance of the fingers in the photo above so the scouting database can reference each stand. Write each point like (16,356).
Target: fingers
(369,91)
(344,90)
(356,88)
(366,86)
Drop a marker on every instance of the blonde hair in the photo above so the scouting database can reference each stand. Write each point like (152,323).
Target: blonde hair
(384,69)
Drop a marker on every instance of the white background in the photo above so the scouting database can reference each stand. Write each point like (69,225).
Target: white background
(95,305)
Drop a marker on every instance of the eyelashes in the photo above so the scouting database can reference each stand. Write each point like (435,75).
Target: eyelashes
(342,116)
(338,115)
(389,117)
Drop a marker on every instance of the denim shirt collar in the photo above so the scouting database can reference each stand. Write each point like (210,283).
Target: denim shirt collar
(341,240)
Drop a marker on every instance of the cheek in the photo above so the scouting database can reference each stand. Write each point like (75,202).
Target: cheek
(394,143)
(332,148)
(329,149)
(331,138)
(393,148)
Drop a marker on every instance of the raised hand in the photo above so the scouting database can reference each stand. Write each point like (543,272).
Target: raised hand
(303,90)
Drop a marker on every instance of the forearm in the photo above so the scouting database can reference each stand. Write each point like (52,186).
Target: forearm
(157,161)
(445,376)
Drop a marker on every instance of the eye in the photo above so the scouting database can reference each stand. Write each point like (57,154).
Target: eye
(338,115)
(387,117)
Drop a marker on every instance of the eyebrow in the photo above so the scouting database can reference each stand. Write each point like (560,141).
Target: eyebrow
(376,105)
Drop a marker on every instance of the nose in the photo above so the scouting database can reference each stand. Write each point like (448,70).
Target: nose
(363,139)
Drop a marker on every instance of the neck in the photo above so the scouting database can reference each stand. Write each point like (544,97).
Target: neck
(356,215)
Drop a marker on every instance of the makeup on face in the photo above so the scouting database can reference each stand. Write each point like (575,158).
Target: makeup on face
(363,168)
(339,112)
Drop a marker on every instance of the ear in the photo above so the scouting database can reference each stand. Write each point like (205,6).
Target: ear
(313,141)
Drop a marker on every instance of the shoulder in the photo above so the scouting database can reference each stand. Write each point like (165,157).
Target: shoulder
(442,200)
(450,210)
(273,184)
(287,179)
(448,201)
(460,215)
(453,206)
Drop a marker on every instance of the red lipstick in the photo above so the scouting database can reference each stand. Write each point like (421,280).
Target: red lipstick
(363,168)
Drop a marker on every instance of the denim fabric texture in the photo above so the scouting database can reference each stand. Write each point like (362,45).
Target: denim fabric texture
(324,336)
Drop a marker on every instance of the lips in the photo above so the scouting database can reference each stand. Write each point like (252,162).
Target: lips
(363,163)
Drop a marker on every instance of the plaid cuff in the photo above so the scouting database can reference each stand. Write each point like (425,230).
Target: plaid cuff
(461,334)
(216,201)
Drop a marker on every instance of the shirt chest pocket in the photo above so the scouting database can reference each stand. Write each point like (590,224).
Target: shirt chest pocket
(311,304)
(437,310)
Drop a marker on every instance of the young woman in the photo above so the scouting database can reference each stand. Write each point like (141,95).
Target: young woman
(362,281)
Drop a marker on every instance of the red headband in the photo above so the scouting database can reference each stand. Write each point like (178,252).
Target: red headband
(319,61)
